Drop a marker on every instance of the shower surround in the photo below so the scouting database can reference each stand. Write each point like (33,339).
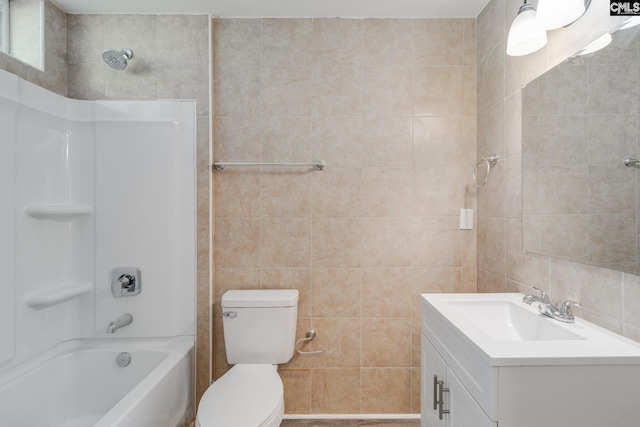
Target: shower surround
(87,187)
(181,72)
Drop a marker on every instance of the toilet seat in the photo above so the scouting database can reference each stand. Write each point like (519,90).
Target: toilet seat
(246,396)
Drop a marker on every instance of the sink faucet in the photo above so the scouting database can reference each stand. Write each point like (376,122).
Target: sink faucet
(543,298)
(546,307)
(120,322)
(565,314)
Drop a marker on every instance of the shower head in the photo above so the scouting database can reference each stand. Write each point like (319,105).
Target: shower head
(117,59)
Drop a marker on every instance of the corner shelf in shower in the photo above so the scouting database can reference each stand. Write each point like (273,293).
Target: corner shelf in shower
(58,212)
(58,294)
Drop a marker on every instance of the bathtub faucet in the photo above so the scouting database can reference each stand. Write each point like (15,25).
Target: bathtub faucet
(120,322)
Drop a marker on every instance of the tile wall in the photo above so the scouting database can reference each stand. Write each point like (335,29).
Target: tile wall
(390,106)
(609,298)
(171,61)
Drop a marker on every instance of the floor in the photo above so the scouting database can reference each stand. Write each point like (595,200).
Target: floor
(333,423)
(336,423)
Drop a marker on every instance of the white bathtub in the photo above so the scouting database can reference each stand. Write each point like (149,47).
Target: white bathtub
(79,384)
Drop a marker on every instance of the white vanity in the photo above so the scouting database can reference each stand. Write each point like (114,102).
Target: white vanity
(492,360)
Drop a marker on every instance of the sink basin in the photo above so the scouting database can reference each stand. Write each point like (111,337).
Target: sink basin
(504,331)
(495,358)
(507,321)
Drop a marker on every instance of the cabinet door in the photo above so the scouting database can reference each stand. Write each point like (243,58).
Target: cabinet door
(432,365)
(463,410)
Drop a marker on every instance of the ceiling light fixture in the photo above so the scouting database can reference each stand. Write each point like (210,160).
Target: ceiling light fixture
(526,34)
(554,14)
(599,43)
(630,22)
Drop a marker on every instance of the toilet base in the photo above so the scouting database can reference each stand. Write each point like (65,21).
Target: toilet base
(246,396)
(274,421)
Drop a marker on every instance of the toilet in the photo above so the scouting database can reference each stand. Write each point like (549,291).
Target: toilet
(259,333)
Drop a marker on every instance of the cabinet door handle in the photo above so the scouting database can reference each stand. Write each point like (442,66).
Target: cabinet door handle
(435,392)
(441,390)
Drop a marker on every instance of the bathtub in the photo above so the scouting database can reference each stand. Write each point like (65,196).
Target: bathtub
(78,384)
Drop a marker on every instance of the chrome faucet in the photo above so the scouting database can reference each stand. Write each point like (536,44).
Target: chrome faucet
(565,314)
(546,307)
(120,322)
(543,298)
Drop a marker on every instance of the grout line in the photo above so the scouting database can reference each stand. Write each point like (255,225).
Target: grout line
(260,175)
(363,89)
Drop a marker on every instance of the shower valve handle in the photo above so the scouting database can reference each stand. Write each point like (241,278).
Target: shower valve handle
(127,281)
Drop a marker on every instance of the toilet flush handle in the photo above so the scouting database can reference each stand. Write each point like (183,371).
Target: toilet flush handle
(309,336)
(230,314)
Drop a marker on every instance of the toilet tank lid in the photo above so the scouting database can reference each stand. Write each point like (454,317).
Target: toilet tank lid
(260,298)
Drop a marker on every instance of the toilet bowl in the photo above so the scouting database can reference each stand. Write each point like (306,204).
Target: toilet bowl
(259,333)
(246,396)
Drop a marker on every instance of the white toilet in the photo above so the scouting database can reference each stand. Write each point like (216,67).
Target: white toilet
(259,333)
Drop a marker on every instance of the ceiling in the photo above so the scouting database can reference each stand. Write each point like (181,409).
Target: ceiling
(285,8)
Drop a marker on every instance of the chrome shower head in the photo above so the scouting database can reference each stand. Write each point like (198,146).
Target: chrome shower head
(117,59)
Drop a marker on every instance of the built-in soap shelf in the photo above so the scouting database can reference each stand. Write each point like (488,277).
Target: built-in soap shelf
(58,212)
(58,294)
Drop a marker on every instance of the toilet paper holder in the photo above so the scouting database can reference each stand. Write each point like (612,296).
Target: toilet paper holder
(309,336)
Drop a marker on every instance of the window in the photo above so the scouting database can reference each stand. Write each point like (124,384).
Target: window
(4,26)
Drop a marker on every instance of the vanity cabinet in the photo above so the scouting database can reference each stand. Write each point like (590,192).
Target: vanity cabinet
(445,400)
(478,379)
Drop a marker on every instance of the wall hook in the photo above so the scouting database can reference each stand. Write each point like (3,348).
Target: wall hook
(309,336)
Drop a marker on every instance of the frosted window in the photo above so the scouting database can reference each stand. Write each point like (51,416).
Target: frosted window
(4,25)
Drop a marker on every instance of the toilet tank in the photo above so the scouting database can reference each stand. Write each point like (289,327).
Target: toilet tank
(259,325)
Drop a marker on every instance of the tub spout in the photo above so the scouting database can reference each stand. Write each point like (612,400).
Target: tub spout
(120,322)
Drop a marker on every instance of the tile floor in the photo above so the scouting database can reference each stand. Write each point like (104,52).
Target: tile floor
(335,423)
(341,423)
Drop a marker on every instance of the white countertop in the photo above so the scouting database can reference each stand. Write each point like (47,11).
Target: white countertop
(579,343)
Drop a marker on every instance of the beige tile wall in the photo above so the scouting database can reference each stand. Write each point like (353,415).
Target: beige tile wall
(54,76)
(609,298)
(171,61)
(390,105)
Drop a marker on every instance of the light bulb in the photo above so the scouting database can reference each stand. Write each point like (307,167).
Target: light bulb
(526,34)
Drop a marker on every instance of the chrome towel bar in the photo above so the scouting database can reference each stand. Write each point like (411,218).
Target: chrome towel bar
(220,165)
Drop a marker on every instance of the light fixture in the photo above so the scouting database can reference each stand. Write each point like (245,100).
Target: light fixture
(599,43)
(554,14)
(630,22)
(526,34)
